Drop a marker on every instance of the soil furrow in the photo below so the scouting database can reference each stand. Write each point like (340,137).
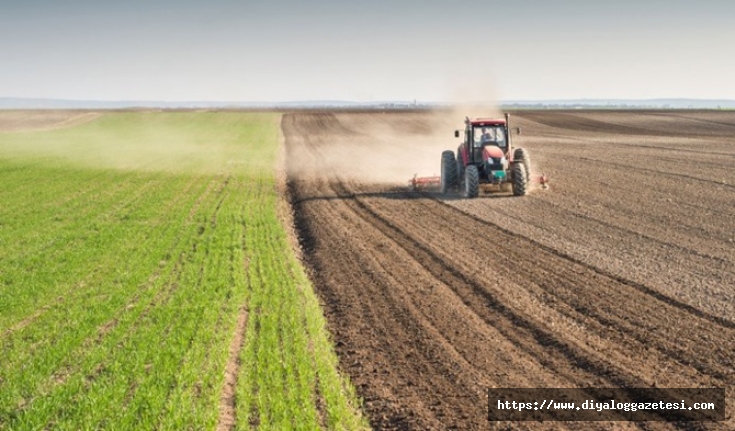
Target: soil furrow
(569,280)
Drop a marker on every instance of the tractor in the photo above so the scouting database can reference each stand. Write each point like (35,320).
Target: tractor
(486,160)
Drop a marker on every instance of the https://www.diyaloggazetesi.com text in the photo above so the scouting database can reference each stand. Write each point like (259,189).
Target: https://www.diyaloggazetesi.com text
(606,404)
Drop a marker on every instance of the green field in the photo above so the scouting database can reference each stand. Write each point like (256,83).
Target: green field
(130,247)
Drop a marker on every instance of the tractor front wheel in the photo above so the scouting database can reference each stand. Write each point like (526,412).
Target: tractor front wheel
(471,182)
(449,171)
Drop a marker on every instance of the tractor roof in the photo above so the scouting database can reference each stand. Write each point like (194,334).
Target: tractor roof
(487,121)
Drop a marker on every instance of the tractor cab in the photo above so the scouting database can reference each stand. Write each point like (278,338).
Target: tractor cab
(489,135)
(485,145)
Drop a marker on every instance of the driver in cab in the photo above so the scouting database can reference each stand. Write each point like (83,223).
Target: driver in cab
(485,137)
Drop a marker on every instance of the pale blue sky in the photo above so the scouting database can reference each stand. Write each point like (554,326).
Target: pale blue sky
(430,50)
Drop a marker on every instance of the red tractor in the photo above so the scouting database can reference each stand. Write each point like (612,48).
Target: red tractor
(486,159)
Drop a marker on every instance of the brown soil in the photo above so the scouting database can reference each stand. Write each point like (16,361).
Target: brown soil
(621,275)
(35,120)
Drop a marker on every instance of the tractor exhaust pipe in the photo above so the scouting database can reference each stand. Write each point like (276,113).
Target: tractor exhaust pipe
(507,130)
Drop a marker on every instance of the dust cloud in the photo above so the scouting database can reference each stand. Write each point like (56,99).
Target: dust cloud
(382,147)
(369,147)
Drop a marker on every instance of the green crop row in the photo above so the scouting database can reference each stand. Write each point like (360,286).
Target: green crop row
(129,247)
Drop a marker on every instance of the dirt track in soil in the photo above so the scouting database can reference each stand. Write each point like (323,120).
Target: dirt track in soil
(622,274)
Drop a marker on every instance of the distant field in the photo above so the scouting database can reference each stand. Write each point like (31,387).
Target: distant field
(13,121)
(147,283)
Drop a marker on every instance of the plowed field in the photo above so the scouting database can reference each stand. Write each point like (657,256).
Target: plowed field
(622,274)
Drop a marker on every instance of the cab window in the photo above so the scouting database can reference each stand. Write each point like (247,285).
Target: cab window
(489,135)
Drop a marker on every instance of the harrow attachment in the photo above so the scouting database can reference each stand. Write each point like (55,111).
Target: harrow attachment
(422,183)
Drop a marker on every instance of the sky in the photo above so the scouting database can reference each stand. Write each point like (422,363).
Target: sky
(366,51)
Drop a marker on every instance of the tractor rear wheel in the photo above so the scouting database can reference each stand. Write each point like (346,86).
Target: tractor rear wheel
(521,155)
(520,181)
(449,171)
(471,181)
